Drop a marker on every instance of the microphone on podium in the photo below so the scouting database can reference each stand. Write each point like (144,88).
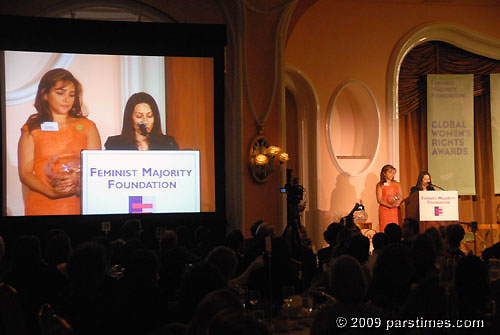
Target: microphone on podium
(142,128)
(437,186)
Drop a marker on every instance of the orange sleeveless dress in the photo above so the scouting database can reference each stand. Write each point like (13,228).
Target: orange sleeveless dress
(60,147)
(388,215)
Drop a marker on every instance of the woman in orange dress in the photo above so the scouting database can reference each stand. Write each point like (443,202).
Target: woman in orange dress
(389,197)
(50,144)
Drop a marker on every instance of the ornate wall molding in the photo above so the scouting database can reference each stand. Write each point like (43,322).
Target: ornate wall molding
(132,10)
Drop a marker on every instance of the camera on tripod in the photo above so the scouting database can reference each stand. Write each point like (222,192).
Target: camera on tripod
(294,191)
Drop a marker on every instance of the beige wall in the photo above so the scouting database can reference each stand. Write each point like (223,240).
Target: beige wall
(339,40)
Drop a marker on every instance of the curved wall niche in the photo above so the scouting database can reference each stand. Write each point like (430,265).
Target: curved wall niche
(353,128)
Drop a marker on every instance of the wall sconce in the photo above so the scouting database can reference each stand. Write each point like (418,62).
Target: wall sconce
(264,158)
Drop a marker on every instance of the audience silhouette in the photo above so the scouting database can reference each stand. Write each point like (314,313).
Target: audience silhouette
(182,287)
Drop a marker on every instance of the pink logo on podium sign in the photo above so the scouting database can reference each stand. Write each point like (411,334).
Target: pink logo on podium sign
(140,204)
(438,211)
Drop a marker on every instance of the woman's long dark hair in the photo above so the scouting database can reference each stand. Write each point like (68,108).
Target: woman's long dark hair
(420,177)
(49,80)
(128,130)
(385,168)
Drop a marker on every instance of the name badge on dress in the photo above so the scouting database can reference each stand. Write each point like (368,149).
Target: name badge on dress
(49,126)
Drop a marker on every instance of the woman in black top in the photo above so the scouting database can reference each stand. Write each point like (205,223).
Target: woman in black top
(141,127)
(423,183)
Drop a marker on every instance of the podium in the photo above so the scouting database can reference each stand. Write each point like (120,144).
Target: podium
(432,208)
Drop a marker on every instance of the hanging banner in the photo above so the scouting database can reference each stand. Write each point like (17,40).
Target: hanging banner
(450,131)
(495,127)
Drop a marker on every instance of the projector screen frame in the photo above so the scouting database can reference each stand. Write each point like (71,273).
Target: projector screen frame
(38,34)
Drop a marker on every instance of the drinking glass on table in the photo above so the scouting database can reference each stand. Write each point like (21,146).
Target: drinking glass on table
(253,298)
(288,292)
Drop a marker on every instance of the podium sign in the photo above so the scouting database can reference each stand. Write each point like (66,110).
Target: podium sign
(132,181)
(438,205)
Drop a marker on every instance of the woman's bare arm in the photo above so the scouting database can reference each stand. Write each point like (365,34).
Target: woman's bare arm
(93,139)
(26,161)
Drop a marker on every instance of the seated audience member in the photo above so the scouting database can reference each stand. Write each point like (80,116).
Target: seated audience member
(304,260)
(113,271)
(278,266)
(260,230)
(424,257)
(359,248)
(210,306)
(173,264)
(472,288)
(255,246)
(393,232)
(236,241)
(347,280)
(3,261)
(391,280)
(185,237)
(87,304)
(235,323)
(130,232)
(379,241)
(137,305)
(330,236)
(254,226)
(348,285)
(173,328)
(339,248)
(263,230)
(454,235)
(348,222)
(29,277)
(58,252)
(12,319)
(437,240)
(224,259)
(409,229)
(429,300)
(495,297)
(127,250)
(51,323)
(196,283)
(342,243)
(203,240)
(250,242)
(491,252)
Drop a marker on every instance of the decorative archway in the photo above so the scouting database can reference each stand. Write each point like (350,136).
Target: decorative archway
(305,95)
(454,34)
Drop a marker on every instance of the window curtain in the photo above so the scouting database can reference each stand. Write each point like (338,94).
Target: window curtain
(443,58)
